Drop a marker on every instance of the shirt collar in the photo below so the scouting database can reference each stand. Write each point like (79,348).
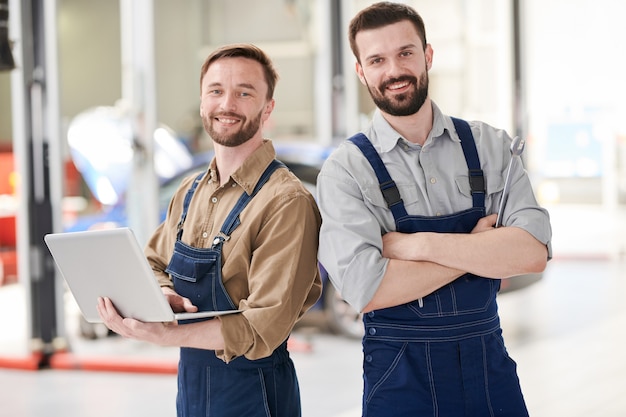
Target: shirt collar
(388,137)
(249,173)
(441,124)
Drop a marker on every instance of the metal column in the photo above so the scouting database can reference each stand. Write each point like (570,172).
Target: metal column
(139,95)
(36,146)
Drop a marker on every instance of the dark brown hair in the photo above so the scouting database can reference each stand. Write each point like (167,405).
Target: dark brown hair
(382,14)
(244,50)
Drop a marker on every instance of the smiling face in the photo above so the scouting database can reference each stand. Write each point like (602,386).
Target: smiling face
(234,103)
(393,65)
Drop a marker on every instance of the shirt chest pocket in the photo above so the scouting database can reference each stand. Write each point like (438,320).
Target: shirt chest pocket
(409,193)
(494,182)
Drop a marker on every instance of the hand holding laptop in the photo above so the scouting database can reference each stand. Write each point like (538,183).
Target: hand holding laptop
(178,303)
(110,263)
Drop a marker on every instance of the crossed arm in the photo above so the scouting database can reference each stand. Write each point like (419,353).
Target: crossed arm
(421,263)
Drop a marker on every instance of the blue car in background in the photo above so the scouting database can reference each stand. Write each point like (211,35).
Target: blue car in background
(303,159)
(102,149)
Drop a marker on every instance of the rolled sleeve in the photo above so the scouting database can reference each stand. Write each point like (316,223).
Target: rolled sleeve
(522,209)
(283,278)
(350,237)
(536,221)
(269,263)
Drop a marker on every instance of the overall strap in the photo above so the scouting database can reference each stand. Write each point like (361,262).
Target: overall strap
(232,220)
(186,203)
(476,177)
(388,187)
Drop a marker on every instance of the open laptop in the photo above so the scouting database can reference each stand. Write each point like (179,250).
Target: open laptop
(110,263)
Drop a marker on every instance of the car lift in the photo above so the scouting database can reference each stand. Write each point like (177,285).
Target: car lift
(34,89)
(37,149)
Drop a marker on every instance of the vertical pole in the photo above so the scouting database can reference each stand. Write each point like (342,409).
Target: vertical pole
(36,138)
(139,95)
(337,48)
(6,56)
(323,104)
(350,80)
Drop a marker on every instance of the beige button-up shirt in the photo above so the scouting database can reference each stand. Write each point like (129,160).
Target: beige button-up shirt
(269,265)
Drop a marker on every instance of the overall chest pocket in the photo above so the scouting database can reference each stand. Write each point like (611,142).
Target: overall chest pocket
(192,267)
(199,279)
(466,295)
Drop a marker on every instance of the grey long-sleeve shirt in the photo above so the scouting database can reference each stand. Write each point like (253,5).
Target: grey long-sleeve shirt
(432,180)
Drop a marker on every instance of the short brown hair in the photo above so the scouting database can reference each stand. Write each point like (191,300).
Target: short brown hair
(382,14)
(244,50)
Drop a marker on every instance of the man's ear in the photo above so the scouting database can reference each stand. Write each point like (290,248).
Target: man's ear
(359,73)
(428,53)
(269,107)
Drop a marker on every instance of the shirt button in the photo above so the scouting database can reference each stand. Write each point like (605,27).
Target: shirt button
(433,180)
(368,358)
(372,331)
(214,200)
(370,314)
(204,235)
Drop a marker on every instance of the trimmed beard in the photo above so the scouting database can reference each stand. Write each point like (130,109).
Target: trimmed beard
(405,104)
(245,133)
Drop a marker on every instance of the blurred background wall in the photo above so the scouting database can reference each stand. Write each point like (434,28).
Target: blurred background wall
(571,54)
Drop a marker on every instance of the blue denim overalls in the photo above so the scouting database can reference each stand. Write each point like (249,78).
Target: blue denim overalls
(442,355)
(207,386)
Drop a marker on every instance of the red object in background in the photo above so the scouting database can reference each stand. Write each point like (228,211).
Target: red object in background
(8,239)
(8,267)
(7,231)
(6,172)
(73,180)
(8,253)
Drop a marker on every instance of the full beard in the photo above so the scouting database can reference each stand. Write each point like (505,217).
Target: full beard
(245,133)
(404,104)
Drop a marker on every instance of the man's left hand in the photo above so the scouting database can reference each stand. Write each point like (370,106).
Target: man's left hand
(131,328)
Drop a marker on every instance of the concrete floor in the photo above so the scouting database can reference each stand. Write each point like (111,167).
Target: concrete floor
(566,333)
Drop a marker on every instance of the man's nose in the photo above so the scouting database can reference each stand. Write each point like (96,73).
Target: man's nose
(228,102)
(394,68)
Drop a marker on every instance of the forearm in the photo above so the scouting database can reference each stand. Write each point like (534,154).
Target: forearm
(497,253)
(406,281)
(201,335)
